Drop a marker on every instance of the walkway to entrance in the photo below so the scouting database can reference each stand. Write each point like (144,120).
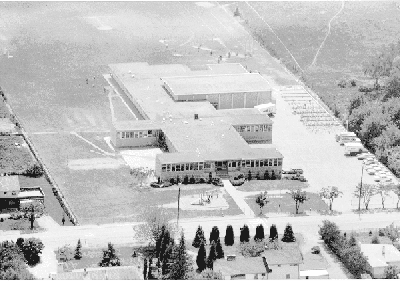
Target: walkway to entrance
(238,198)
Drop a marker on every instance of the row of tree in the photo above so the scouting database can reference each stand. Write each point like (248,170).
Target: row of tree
(365,192)
(298,195)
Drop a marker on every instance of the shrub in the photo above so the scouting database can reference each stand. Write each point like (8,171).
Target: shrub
(353,83)
(273,245)
(259,233)
(273,176)
(244,234)
(32,248)
(110,257)
(214,234)
(172,180)
(315,250)
(258,175)
(37,208)
(252,249)
(192,180)
(218,249)
(266,175)
(237,181)
(202,180)
(342,83)
(249,176)
(229,236)
(273,232)
(391,272)
(375,240)
(288,235)
(381,232)
(34,171)
(370,233)
(186,180)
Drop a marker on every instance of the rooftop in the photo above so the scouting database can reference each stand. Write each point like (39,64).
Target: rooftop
(380,254)
(9,183)
(218,83)
(289,255)
(101,273)
(240,265)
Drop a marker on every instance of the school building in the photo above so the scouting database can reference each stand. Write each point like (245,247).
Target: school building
(206,118)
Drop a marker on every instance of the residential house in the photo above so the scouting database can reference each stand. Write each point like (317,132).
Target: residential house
(380,256)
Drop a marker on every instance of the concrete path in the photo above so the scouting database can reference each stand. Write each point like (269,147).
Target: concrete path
(238,198)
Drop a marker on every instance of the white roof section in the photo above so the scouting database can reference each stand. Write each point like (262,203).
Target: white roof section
(380,255)
(314,273)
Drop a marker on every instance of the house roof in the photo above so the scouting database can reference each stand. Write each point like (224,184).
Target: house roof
(240,265)
(290,255)
(101,273)
(380,254)
(9,183)
(217,83)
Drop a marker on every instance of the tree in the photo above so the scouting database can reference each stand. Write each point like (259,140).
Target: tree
(249,177)
(199,238)
(229,236)
(32,249)
(266,175)
(34,171)
(244,234)
(273,232)
(261,200)
(150,271)
(365,192)
(383,190)
(352,242)
(299,197)
(394,160)
(214,234)
(201,259)
(329,232)
(110,257)
(391,272)
(259,233)
(78,250)
(12,262)
(166,242)
(212,256)
(375,240)
(181,268)
(330,193)
(218,250)
(288,235)
(155,220)
(396,190)
(355,261)
(141,175)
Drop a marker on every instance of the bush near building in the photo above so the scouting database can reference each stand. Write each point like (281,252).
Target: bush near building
(347,251)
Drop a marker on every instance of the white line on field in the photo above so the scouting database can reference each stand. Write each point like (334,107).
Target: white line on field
(188,41)
(275,35)
(92,144)
(327,34)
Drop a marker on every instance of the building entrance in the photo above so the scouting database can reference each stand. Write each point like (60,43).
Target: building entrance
(221,166)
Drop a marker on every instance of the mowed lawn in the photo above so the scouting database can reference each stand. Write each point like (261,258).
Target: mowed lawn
(287,204)
(14,158)
(266,185)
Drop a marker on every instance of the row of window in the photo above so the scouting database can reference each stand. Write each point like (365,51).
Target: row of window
(136,134)
(254,128)
(196,166)
(256,163)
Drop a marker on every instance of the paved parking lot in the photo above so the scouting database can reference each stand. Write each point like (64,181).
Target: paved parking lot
(320,156)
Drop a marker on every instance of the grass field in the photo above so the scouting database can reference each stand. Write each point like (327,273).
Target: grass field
(261,185)
(14,158)
(287,204)
(357,32)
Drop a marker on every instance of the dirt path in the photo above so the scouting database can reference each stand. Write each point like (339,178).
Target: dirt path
(327,34)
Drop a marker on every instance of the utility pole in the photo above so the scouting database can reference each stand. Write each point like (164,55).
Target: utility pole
(179,197)
(359,197)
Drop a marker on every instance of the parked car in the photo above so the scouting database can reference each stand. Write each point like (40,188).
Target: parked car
(297,171)
(217,182)
(363,156)
(160,185)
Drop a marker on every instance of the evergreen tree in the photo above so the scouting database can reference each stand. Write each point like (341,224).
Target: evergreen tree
(273,233)
(145,269)
(249,176)
(214,234)
(244,234)
(199,238)
(166,241)
(212,256)
(167,257)
(288,235)
(110,257)
(201,259)
(259,233)
(159,240)
(218,249)
(181,268)
(229,236)
(150,272)
(78,250)
(266,175)
(352,241)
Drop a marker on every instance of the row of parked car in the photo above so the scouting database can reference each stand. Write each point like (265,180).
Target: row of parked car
(374,168)
(294,174)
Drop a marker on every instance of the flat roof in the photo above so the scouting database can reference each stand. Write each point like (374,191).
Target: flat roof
(9,183)
(218,83)
(137,125)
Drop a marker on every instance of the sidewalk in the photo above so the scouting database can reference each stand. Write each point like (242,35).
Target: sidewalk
(238,198)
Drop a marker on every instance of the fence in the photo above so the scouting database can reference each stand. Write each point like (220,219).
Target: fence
(56,190)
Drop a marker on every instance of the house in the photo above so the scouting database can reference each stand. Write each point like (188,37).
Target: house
(12,194)
(380,256)
(233,267)
(283,263)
